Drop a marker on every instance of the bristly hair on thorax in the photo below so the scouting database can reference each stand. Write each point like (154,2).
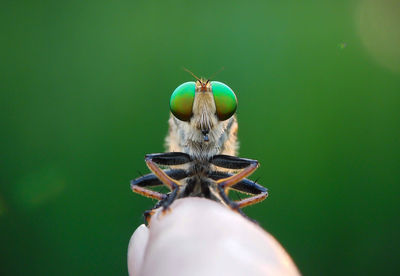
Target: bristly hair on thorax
(203,136)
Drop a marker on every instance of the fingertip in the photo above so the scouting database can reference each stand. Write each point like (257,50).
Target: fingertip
(203,237)
(137,248)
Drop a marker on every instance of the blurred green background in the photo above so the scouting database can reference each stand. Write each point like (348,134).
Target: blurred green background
(85,88)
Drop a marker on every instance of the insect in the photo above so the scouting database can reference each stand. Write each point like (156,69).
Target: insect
(201,148)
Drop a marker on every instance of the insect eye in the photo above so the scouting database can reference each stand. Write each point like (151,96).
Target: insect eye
(181,102)
(225,100)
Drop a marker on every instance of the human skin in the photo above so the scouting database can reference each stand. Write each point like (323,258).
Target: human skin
(198,236)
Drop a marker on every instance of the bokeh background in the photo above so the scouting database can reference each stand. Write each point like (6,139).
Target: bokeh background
(85,88)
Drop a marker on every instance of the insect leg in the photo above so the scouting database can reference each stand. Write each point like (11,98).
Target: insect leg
(246,186)
(151,180)
(171,183)
(250,187)
(233,205)
(147,214)
(169,158)
(232,162)
(160,177)
(147,192)
(165,203)
(252,200)
(229,181)
(160,174)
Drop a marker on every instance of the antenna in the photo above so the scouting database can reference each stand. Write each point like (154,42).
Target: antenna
(191,73)
(219,71)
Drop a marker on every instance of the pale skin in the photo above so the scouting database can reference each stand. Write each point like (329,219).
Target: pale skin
(202,237)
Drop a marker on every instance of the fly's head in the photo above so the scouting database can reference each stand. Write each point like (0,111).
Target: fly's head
(202,112)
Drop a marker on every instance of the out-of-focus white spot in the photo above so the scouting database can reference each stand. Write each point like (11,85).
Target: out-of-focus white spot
(378,24)
(38,187)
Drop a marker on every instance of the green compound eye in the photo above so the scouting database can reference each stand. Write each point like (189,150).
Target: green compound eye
(225,100)
(181,102)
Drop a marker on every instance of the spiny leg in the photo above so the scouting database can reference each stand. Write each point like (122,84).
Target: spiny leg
(232,204)
(151,180)
(232,162)
(252,200)
(259,192)
(151,194)
(245,185)
(169,158)
(147,214)
(147,192)
(166,159)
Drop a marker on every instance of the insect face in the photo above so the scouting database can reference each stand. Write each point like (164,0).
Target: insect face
(203,119)
(203,97)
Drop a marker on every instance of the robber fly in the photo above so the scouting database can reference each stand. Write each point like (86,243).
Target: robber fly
(201,148)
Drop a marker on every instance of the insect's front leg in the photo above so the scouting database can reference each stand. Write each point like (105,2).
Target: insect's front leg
(151,180)
(140,184)
(168,159)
